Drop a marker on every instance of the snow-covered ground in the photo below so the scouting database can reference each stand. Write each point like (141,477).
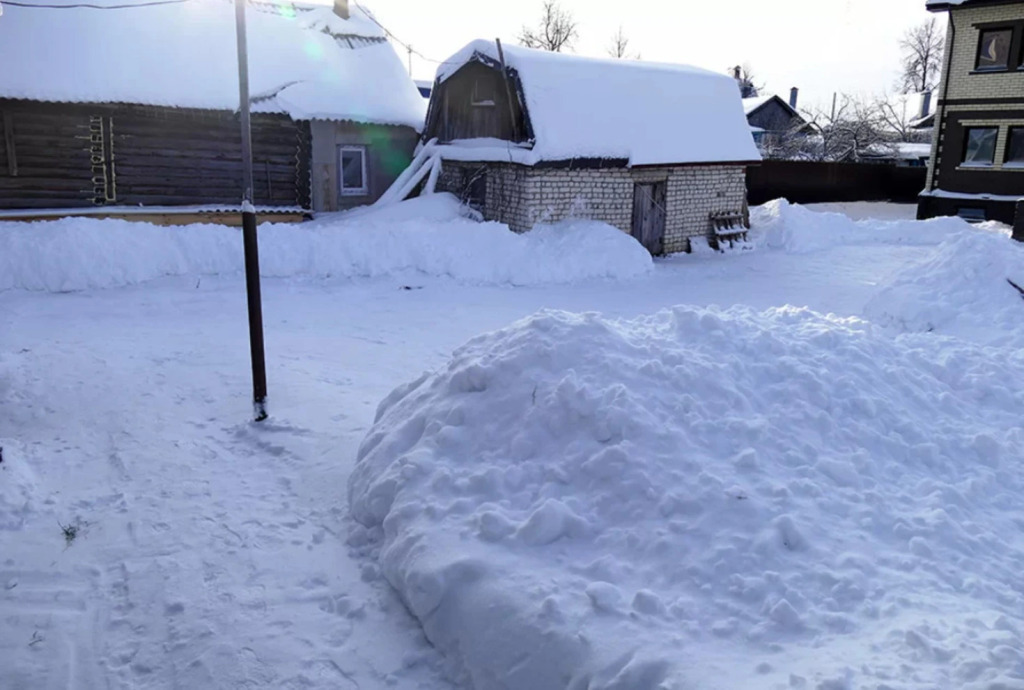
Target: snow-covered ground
(780,498)
(869,210)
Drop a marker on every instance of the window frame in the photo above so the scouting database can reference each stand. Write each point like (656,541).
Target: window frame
(982,31)
(972,214)
(478,101)
(964,163)
(352,191)
(1007,161)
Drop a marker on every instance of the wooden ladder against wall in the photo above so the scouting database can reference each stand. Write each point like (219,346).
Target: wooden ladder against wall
(730,228)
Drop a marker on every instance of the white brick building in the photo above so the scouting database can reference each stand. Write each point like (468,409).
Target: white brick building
(657,151)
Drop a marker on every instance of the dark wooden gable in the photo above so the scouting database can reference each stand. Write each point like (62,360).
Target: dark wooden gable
(775,115)
(474,103)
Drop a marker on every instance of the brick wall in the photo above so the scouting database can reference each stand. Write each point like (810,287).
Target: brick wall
(963,84)
(962,52)
(521,196)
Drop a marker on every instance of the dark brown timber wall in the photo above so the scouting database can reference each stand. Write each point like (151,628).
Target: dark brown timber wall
(63,156)
(474,102)
(811,182)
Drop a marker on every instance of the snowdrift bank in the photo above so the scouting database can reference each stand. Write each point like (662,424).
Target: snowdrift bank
(796,229)
(707,499)
(962,286)
(427,236)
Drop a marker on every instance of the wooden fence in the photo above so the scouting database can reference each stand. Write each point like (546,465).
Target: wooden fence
(810,182)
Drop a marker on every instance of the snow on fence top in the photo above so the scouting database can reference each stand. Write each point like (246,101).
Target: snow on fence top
(647,113)
(304,60)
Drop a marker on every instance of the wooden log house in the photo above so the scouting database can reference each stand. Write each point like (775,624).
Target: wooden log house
(133,113)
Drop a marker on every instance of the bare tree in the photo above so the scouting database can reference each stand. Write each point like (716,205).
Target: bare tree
(922,48)
(790,144)
(619,47)
(744,76)
(557,29)
(898,115)
(851,131)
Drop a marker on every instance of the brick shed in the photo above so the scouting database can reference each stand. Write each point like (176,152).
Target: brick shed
(658,151)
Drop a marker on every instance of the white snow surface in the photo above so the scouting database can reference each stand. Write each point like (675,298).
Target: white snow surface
(582,502)
(647,113)
(760,495)
(793,228)
(425,236)
(184,55)
(966,284)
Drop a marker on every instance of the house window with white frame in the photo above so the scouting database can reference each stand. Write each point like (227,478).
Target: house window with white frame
(352,178)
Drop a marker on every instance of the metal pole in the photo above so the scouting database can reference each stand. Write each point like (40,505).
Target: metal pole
(249,240)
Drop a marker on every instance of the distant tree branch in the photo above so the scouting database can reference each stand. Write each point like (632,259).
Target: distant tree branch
(923,47)
(745,78)
(619,47)
(557,30)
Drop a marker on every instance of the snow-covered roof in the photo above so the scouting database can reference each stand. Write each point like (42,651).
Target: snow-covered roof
(304,60)
(752,105)
(937,5)
(643,112)
(913,151)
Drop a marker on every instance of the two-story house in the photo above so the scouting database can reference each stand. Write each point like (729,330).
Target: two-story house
(976,169)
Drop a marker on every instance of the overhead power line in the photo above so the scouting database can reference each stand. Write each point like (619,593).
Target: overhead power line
(396,39)
(37,6)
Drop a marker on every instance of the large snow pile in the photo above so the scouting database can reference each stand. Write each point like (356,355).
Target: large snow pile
(797,229)
(426,236)
(707,499)
(963,285)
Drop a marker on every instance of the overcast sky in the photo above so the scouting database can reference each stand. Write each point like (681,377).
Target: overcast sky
(820,46)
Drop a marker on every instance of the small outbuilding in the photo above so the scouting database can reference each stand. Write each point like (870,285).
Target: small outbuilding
(526,136)
(133,111)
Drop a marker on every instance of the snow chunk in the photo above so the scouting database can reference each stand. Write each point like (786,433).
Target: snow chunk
(604,474)
(428,236)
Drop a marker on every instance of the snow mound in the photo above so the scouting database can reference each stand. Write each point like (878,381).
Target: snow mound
(795,229)
(707,499)
(963,285)
(80,253)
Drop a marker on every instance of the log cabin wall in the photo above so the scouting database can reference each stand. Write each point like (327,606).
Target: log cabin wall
(473,103)
(45,159)
(66,156)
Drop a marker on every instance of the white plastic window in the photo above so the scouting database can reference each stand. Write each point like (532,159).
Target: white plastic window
(352,170)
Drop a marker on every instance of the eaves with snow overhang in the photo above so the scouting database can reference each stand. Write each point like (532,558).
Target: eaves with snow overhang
(304,60)
(945,5)
(578,109)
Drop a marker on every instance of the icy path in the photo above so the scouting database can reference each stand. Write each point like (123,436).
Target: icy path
(212,553)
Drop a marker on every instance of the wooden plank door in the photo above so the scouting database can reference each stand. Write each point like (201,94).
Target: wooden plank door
(649,215)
